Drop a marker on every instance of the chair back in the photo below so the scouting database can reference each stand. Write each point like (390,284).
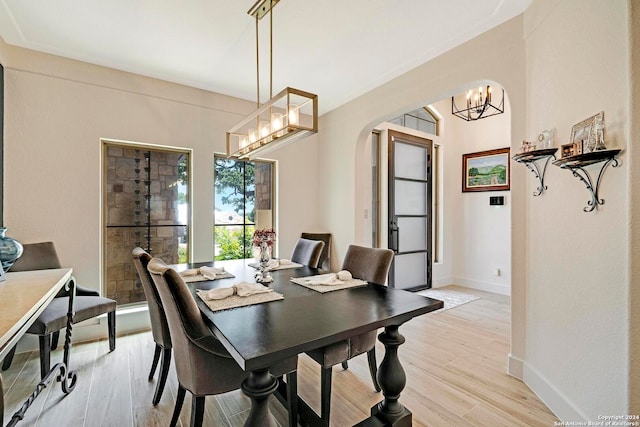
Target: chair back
(159,326)
(325,259)
(370,264)
(37,256)
(196,351)
(307,252)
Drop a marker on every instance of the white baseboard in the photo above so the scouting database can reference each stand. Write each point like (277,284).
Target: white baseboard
(127,321)
(483,286)
(515,366)
(555,400)
(444,281)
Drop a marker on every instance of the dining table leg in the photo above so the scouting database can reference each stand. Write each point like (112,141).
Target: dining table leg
(392,380)
(258,386)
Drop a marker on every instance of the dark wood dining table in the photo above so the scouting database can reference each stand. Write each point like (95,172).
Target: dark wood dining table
(259,336)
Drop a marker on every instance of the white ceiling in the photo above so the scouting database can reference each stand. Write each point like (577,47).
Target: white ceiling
(338,49)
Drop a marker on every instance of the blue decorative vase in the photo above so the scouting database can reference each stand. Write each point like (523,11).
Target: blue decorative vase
(10,250)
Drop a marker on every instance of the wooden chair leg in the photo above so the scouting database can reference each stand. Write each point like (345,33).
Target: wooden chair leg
(345,365)
(197,411)
(156,358)
(111,322)
(54,340)
(45,354)
(325,395)
(164,372)
(6,364)
(373,368)
(179,401)
(292,398)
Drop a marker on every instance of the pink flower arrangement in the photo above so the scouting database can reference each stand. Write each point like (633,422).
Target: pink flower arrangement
(267,235)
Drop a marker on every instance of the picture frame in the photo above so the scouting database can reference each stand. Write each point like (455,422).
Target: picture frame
(586,133)
(486,171)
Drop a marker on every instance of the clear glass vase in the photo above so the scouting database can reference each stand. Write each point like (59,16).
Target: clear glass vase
(264,276)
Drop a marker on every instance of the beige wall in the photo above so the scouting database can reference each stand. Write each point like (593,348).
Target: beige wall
(57,111)
(482,233)
(633,154)
(577,312)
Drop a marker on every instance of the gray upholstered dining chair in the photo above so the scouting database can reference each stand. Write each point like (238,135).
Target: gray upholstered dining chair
(307,252)
(87,304)
(159,326)
(203,365)
(325,256)
(372,265)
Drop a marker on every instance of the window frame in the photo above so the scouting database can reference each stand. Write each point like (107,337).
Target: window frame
(244,224)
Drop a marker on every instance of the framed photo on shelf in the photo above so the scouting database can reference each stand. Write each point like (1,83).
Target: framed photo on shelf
(589,133)
(486,171)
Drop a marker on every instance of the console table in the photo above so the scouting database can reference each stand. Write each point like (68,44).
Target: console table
(23,297)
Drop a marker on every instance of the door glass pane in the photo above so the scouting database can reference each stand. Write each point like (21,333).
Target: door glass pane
(410,161)
(410,198)
(412,234)
(410,270)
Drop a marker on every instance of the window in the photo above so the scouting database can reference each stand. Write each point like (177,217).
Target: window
(243,202)
(421,119)
(146,199)
(375,188)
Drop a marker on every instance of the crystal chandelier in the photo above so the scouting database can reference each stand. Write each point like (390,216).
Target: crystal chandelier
(288,116)
(479,105)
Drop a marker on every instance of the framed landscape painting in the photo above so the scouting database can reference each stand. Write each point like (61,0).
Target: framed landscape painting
(486,171)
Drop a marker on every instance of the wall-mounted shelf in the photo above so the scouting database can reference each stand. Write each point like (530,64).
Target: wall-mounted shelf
(576,164)
(530,159)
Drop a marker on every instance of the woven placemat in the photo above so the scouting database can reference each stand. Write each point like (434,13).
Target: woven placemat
(201,278)
(235,301)
(353,283)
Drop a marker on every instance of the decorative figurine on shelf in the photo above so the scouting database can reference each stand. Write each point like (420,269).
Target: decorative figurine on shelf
(598,135)
(525,147)
(264,240)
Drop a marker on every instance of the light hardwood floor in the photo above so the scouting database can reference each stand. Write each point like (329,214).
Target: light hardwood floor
(455,361)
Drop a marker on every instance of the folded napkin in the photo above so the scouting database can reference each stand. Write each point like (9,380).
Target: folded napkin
(208,272)
(242,289)
(330,279)
(324,279)
(344,275)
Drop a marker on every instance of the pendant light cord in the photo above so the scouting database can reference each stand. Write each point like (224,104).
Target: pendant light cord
(257,65)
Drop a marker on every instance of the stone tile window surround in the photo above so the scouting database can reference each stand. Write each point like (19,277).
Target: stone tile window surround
(146,203)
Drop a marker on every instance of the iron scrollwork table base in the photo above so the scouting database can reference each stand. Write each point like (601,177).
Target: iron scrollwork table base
(577,166)
(60,371)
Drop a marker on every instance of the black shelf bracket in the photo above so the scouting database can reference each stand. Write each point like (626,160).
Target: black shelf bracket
(577,166)
(530,160)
